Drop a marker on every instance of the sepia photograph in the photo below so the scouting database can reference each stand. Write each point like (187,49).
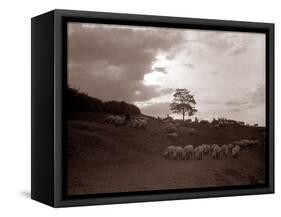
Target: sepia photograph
(154,108)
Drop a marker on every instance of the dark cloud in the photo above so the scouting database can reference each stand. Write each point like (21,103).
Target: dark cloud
(108,85)
(110,62)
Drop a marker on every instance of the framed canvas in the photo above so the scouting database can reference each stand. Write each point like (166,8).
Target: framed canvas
(133,108)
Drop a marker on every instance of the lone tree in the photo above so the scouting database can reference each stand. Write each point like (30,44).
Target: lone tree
(183,102)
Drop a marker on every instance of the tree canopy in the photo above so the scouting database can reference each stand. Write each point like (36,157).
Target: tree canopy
(79,101)
(183,103)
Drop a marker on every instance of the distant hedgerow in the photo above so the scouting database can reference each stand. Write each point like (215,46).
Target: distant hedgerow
(78,101)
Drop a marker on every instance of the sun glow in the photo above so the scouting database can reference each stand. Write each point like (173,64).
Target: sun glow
(154,78)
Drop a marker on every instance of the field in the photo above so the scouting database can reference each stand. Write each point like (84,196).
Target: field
(102,158)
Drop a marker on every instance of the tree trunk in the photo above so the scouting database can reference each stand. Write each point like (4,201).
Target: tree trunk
(183,114)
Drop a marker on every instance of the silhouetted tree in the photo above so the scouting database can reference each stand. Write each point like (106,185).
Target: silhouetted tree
(183,102)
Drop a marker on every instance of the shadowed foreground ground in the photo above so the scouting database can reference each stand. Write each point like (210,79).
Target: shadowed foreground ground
(104,159)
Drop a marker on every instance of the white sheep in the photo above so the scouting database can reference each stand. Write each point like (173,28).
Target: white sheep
(235,151)
(213,146)
(179,153)
(253,142)
(198,152)
(170,152)
(119,121)
(244,142)
(109,119)
(188,152)
(139,123)
(142,123)
(216,154)
(230,146)
(172,136)
(207,148)
(224,150)
(134,123)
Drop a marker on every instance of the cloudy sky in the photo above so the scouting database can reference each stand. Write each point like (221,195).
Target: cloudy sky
(144,65)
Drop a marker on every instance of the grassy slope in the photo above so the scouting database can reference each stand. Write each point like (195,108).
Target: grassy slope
(104,158)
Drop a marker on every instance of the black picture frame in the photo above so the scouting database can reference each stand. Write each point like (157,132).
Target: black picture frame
(49,81)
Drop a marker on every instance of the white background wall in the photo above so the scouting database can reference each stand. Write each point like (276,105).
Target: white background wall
(15,106)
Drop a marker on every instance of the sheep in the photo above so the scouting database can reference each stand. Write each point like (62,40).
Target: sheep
(217,152)
(253,142)
(139,123)
(230,146)
(188,152)
(245,142)
(191,131)
(207,148)
(134,123)
(171,128)
(179,153)
(142,123)
(171,124)
(213,146)
(224,150)
(109,119)
(116,120)
(198,152)
(235,151)
(119,121)
(169,152)
(172,136)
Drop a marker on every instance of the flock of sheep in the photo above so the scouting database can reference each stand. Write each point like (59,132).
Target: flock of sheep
(140,122)
(172,130)
(190,152)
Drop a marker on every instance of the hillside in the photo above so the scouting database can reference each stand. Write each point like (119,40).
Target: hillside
(104,158)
